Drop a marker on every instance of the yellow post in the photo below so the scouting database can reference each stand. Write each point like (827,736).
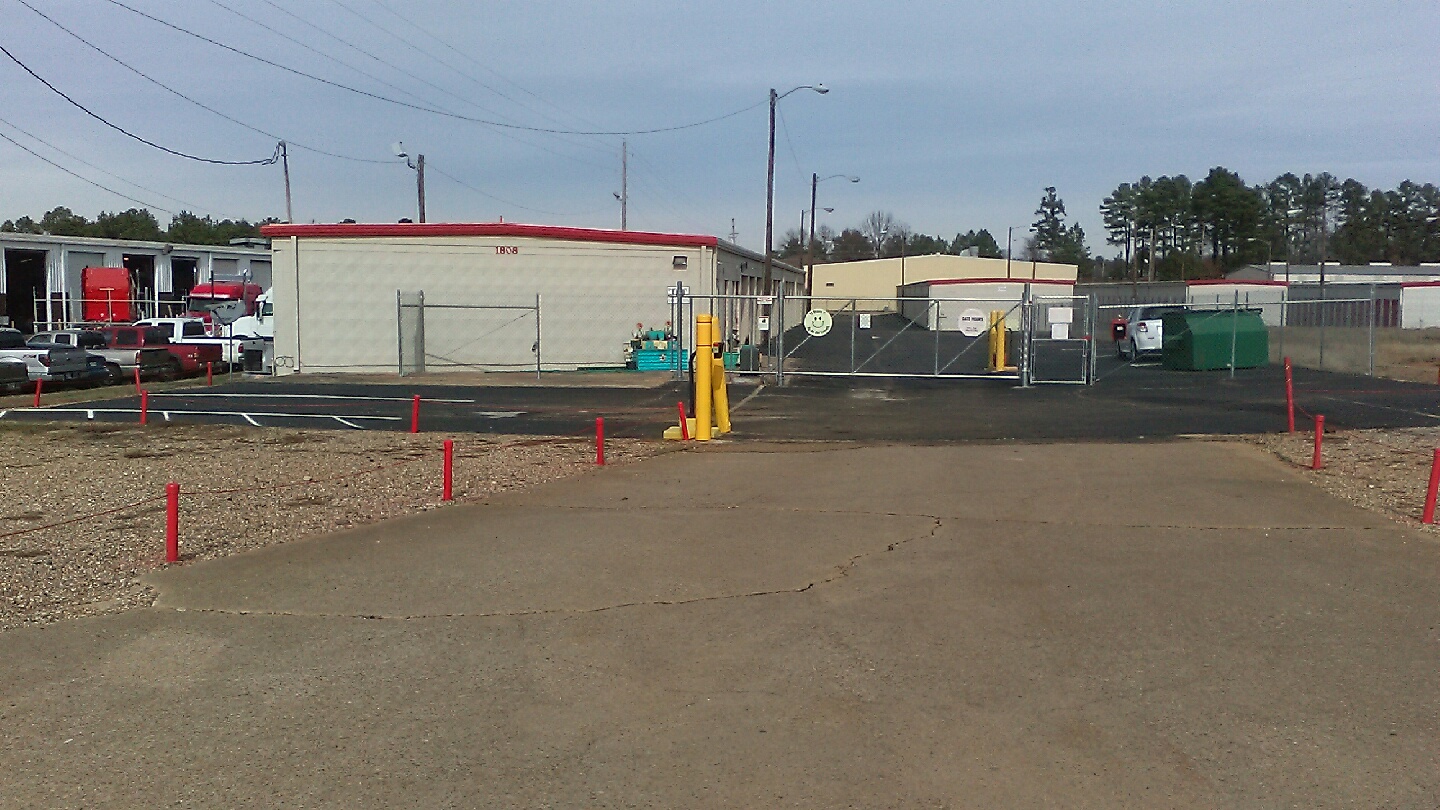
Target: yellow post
(998,353)
(722,397)
(704,369)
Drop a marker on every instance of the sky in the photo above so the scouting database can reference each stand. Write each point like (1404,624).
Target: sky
(955,115)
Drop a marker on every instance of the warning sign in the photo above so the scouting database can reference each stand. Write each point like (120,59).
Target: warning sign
(972,322)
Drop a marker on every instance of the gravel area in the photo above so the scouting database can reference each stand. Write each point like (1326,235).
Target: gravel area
(292,483)
(1383,470)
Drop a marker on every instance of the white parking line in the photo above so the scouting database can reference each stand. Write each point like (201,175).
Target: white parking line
(90,414)
(314,396)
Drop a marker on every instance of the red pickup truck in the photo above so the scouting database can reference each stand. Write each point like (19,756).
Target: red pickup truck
(184,358)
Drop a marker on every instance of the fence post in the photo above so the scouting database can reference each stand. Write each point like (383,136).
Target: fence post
(537,336)
(39,386)
(1372,330)
(172,522)
(415,414)
(448,471)
(144,407)
(1316,462)
(399,335)
(780,342)
(600,441)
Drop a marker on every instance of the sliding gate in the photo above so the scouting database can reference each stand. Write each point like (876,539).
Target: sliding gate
(1046,339)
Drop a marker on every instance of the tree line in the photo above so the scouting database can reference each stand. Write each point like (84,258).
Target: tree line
(881,236)
(1170,227)
(139,224)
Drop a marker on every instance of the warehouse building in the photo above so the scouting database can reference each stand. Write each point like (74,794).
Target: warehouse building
(387,298)
(41,275)
(965,304)
(875,283)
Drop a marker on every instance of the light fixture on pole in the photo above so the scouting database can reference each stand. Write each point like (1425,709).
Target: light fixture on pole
(815,181)
(770,194)
(419,166)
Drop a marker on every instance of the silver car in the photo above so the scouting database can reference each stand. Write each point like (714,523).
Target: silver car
(1143,331)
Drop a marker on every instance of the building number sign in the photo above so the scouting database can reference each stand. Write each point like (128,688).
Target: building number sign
(507,250)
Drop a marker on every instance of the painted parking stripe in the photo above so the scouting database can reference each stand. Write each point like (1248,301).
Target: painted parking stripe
(314,396)
(90,413)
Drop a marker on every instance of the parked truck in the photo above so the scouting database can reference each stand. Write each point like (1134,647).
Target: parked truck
(239,298)
(105,294)
(233,350)
(260,325)
(185,358)
(49,363)
(120,363)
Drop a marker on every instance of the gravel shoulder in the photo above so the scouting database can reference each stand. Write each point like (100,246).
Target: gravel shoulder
(1385,471)
(241,489)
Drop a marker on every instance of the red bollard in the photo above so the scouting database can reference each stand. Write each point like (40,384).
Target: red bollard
(137,378)
(1289,397)
(144,407)
(1315,461)
(449,471)
(415,414)
(684,423)
(39,386)
(172,522)
(1433,489)
(600,440)
(209,373)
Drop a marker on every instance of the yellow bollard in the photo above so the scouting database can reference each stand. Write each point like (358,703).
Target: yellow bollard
(722,397)
(998,356)
(704,368)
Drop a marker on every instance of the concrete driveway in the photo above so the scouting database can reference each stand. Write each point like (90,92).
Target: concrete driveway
(819,625)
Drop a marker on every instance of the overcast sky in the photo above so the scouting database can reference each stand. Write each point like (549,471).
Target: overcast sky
(954,114)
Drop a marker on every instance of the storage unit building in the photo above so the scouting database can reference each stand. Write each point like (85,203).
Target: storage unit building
(946,304)
(497,296)
(873,283)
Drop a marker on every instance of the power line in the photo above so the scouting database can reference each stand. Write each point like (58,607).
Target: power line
(32,136)
(57,91)
(167,88)
(431,167)
(83,178)
(422,108)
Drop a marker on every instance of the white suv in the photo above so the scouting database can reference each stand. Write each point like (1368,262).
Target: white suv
(1142,331)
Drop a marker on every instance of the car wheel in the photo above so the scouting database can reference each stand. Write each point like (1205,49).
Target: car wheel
(114,374)
(172,370)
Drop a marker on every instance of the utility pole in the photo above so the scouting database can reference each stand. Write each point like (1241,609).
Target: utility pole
(1009,244)
(810,240)
(420,183)
(734,234)
(624,185)
(285,165)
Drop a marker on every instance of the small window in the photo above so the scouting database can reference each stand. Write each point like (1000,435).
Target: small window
(193,329)
(680,262)
(829,284)
(268,310)
(68,340)
(91,340)
(166,329)
(155,336)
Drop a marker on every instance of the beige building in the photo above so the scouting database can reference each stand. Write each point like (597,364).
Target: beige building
(494,296)
(879,279)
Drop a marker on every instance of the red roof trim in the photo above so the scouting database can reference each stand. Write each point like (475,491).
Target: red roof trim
(1016,280)
(1411,283)
(1200,282)
(446,229)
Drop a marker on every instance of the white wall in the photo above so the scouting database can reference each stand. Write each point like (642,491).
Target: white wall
(1265,297)
(339,314)
(1419,307)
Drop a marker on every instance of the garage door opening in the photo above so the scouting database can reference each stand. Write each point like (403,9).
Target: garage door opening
(142,281)
(24,285)
(182,281)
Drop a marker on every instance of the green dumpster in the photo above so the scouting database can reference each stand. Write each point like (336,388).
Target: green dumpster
(1202,340)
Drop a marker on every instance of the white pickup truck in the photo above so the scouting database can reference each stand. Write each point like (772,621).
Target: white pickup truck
(233,350)
(51,364)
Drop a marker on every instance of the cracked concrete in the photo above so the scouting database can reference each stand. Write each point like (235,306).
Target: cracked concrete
(988,626)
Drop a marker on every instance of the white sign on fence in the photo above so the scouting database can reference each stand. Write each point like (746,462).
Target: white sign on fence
(1060,314)
(865,320)
(972,322)
(765,300)
(1060,331)
(818,322)
(763,323)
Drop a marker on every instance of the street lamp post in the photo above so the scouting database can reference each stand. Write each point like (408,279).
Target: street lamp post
(815,181)
(419,166)
(770,194)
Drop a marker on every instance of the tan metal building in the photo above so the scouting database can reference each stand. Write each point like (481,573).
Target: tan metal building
(877,280)
(497,295)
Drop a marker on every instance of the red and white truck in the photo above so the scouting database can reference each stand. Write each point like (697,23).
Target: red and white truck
(237,298)
(184,358)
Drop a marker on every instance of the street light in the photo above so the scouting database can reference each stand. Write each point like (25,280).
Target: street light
(815,181)
(770,190)
(419,166)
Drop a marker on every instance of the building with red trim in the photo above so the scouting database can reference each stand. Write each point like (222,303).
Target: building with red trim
(498,295)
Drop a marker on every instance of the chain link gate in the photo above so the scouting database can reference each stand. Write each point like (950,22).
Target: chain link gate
(1059,340)
(482,337)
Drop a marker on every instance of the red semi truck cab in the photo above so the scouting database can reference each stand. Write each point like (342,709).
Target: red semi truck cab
(204,298)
